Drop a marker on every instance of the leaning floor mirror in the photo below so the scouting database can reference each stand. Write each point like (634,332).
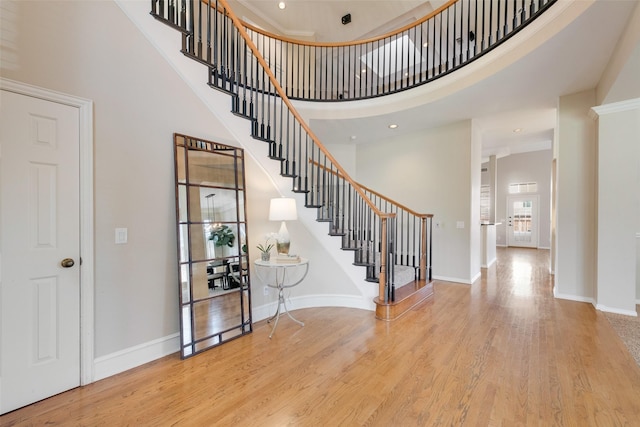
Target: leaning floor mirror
(214,282)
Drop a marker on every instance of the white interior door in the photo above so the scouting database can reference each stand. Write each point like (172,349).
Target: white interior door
(39,228)
(522,221)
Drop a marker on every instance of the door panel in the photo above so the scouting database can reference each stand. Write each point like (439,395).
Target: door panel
(522,221)
(39,226)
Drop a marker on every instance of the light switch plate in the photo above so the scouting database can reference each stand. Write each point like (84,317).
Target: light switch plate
(121,236)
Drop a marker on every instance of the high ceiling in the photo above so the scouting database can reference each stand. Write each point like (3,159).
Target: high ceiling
(522,95)
(321,20)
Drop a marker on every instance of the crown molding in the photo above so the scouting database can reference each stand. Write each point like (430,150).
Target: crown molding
(616,107)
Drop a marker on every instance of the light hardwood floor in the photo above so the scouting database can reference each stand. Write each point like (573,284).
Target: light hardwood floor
(502,352)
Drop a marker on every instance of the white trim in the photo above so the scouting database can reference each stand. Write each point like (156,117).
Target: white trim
(455,279)
(606,309)
(493,261)
(576,298)
(129,358)
(476,277)
(85,108)
(617,107)
(310,301)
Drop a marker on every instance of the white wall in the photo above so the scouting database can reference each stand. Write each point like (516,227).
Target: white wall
(534,166)
(620,80)
(576,198)
(430,172)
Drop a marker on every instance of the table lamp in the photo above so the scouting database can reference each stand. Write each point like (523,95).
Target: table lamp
(283,209)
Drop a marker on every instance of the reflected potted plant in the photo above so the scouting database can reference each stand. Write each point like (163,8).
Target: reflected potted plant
(265,250)
(222,236)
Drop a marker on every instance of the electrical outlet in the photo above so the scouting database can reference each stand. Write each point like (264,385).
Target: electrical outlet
(266,290)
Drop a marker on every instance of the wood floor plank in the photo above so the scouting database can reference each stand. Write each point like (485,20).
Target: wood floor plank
(501,352)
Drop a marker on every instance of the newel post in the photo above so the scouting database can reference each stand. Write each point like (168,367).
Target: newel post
(423,248)
(382,279)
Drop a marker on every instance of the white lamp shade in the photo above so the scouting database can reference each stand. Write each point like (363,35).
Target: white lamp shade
(283,209)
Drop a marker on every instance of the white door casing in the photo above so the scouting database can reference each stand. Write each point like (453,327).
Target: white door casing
(522,221)
(45,216)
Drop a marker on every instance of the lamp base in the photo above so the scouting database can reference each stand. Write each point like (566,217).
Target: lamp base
(283,247)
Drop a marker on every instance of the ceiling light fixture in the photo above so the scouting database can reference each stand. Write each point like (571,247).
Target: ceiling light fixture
(517,130)
(281,5)
(393,126)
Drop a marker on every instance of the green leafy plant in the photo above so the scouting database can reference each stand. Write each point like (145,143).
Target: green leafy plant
(222,236)
(266,248)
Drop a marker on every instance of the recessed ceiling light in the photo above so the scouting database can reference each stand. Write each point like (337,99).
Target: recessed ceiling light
(517,130)
(282,5)
(393,126)
(425,44)
(353,137)
(364,70)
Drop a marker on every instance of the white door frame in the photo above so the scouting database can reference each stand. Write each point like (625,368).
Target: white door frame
(85,108)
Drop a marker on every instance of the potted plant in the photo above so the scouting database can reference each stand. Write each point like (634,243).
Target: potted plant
(265,250)
(222,236)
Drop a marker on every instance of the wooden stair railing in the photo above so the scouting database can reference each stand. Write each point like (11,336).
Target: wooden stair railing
(213,35)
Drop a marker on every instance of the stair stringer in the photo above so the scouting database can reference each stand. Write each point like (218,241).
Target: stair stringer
(167,41)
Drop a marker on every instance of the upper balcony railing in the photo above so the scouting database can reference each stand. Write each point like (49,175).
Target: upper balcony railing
(450,37)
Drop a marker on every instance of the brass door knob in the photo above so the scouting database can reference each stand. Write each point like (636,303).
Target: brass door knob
(67,262)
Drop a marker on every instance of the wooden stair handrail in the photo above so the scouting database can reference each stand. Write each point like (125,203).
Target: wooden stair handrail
(401,206)
(239,26)
(337,44)
(422,266)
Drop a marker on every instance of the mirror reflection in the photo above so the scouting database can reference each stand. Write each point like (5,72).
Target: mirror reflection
(215,300)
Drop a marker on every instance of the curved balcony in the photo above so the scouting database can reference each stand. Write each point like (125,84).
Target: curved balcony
(441,42)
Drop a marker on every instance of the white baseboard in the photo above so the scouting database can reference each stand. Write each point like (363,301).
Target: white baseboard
(604,308)
(453,279)
(123,360)
(309,301)
(493,261)
(570,297)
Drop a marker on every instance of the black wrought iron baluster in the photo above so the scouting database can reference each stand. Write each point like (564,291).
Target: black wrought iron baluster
(505,29)
(327,80)
(317,177)
(183,14)
(352,76)
(454,39)
(233,71)
(450,44)
(171,9)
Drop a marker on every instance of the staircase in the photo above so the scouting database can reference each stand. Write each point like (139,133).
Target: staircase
(391,242)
